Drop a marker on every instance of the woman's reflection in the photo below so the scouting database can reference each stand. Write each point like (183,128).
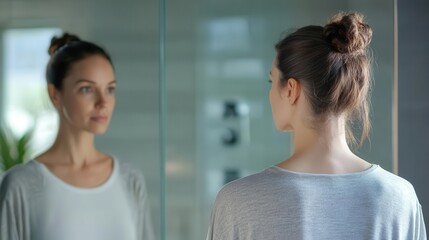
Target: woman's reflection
(73,190)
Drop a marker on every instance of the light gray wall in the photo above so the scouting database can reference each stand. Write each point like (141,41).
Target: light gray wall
(413,45)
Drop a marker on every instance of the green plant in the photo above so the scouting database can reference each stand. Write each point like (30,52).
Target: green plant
(13,150)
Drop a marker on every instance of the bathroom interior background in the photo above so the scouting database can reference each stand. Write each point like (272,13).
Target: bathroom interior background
(217,123)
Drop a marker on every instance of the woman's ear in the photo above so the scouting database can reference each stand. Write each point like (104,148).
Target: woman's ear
(54,95)
(293,90)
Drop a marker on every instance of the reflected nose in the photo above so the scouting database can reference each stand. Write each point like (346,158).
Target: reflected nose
(101,100)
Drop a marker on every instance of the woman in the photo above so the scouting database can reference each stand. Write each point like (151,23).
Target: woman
(74,191)
(320,81)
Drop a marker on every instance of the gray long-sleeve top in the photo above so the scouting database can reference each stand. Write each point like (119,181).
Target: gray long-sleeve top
(25,191)
(279,204)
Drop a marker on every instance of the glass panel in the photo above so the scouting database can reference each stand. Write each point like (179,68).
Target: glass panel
(219,124)
(129,31)
(219,118)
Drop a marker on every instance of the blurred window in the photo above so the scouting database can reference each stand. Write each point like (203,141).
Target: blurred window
(26,102)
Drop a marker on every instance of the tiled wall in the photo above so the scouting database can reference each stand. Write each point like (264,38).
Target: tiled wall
(215,51)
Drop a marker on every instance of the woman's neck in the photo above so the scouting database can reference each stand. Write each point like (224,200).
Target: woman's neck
(323,150)
(324,139)
(75,148)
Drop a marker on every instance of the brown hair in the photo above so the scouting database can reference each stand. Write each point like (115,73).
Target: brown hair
(65,51)
(333,64)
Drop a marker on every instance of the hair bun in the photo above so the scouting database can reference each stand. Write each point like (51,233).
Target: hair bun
(58,42)
(348,33)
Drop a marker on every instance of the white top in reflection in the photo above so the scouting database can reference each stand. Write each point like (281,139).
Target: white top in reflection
(68,212)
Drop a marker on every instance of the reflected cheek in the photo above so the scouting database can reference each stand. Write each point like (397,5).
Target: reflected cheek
(78,110)
(111,106)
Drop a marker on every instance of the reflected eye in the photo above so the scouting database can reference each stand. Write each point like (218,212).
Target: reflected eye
(269,80)
(85,90)
(111,90)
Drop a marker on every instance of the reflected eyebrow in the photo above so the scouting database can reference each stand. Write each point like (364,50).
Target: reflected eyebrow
(270,72)
(91,82)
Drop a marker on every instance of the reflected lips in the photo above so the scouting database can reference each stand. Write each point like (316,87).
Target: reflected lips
(100,119)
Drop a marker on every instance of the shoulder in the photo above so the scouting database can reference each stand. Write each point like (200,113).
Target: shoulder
(21,175)
(235,201)
(245,188)
(133,177)
(130,172)
(388,182)
(393,190)
(24,177)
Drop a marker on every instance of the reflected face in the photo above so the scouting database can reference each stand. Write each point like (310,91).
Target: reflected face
(279,103)
(87,98)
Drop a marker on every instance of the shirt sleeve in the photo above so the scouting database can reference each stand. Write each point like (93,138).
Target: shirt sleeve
(14,223)
(145,228)
(8,226)
(145,216)
(420,229)
(210,233)
(217,228)
(222,223)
